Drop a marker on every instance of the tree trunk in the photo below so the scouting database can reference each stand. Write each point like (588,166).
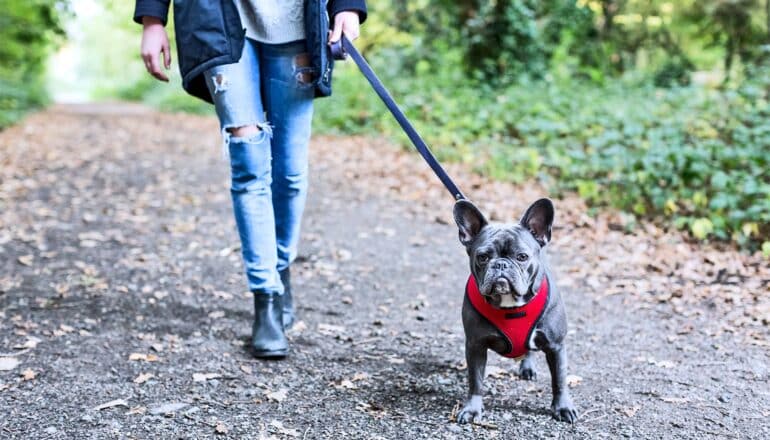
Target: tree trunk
(608,12)
(767,19)
(729,52)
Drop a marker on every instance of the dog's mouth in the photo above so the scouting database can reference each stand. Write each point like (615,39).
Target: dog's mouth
(504,301)
(501,294)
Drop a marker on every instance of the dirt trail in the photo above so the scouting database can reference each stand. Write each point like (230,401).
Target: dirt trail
(123,312)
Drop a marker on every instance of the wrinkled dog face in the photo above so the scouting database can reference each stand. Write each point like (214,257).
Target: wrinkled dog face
(506,259)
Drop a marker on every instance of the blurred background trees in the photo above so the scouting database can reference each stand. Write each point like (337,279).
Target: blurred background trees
(658,108)
(29,31)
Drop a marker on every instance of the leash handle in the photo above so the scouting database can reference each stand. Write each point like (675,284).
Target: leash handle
(340,51)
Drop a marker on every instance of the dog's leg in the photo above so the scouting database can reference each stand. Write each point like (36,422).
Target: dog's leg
(476,358)
(562,406)
(526,368)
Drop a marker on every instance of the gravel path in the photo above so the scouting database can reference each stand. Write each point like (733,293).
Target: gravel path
(123,312)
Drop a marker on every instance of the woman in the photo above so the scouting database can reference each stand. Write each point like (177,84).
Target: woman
(261,63)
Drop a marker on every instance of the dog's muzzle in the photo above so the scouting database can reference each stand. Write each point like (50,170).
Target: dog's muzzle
(501,286)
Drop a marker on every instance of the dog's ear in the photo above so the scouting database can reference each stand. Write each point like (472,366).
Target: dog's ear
(538,220)
(469,219)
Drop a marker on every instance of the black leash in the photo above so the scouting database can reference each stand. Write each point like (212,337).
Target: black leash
(340,50)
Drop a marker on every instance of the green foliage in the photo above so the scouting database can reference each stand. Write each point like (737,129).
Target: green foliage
(690,157)
(29,30)
(502,38)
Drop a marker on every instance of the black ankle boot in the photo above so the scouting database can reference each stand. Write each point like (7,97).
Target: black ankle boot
(288,302)
(267,338)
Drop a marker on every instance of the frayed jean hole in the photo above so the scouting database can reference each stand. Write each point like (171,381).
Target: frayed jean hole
(305,76)
(264,131)
(304,73)
(221,82)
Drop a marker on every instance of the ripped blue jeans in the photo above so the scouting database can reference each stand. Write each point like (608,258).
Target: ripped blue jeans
(268,87)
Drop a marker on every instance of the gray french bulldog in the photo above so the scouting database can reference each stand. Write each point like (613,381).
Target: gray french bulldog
(509,267)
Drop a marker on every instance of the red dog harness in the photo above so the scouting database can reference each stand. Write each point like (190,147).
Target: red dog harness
(517,323)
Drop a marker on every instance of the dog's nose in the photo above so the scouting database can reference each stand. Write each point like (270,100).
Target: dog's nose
(502,286)
(500,264)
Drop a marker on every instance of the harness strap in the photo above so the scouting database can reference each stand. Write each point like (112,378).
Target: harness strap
(516,324)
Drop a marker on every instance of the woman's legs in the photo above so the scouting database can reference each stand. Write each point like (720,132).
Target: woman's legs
(268,161)
(235,89)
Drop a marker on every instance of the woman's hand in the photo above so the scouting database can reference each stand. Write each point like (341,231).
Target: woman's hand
(346,22)
(155,41)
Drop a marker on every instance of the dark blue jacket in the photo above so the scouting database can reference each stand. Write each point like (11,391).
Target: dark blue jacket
(209,33)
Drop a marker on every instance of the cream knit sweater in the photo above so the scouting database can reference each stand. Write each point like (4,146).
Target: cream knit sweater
(273,21)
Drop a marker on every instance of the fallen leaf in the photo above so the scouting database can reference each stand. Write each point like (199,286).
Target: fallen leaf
(675,399)
(29,344)
(168,408)
(66,328)
(630,411)
(202,377)
(220,428)
(344,384)
(8,363)
(137,410)
(28,374)
(330,329)
(143,377)
(662,364)
(217,314)
(223,295)
(142,357)
(573,380)
(111,404)
(284,430)
(277,396)
(344,255)
(299,327)
(496,372)
(26,260)
(246,369)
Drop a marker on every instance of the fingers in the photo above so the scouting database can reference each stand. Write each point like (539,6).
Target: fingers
(166,56)
(153,66)
(350,28)
(345,22)
(337,32)
(155,42)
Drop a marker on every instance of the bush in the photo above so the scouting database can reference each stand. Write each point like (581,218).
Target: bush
(29,31)
(689,157)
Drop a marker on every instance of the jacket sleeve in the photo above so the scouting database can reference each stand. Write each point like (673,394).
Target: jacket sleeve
(151,8)
(336,6)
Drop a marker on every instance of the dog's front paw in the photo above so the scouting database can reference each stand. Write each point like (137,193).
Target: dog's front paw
(527,372)
(564,410)
(472,411)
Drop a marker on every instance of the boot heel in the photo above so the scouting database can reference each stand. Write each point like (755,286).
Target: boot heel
(287,300)
(267,337)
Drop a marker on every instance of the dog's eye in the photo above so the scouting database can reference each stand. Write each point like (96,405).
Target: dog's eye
(482,259)
(522,257)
